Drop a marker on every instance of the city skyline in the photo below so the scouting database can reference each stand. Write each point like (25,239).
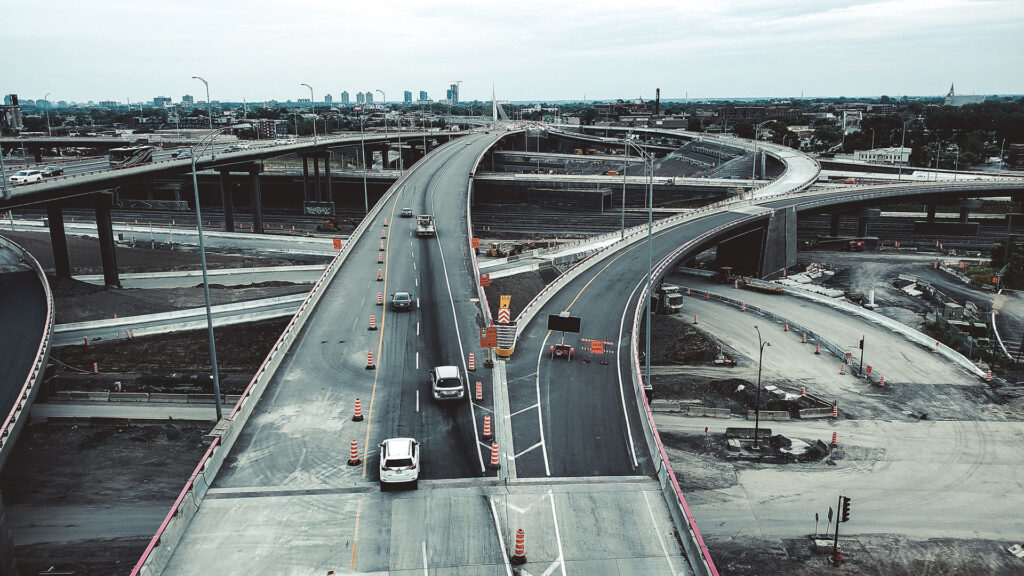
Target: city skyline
(595,50)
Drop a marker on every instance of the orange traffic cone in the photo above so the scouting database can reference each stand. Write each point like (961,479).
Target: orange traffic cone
(479,391)
(835,410)
(694,318)
(519,554)
(868,369)
(381,244)
(785,327)
(380,257)
(988,377)
(803,338)
(743,306)
(95,368)
(835,439)
(842,369)
(373,322)
(472,362)
(385,221)
(487,428)
(380,274)
(817,348)
(369,360)
(380,298)
(383,233)
(357,416)
(881,381)
(803,391)
(494,456)
(707,295)
(353,454)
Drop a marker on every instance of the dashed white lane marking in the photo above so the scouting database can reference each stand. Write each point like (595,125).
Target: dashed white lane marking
(426,572)
(417,328)
(417,360)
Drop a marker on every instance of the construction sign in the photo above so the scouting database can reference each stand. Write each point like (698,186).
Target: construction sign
(337,243)
(488,337)
(504,300)
(475,243)
(597,347)
(485,280)
(504,316)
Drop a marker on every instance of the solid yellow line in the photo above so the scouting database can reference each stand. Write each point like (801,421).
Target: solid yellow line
(380,338)
(355,537)
(605,267)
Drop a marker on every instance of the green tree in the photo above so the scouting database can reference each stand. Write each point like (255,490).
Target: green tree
(743,129)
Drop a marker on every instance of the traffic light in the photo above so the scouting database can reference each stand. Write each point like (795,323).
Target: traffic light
(861,343)
(845,516)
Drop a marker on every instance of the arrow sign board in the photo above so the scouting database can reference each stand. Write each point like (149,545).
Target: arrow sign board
(561,323)
(505,300)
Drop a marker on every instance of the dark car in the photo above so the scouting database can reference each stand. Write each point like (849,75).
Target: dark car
(406,213)
(50,171)
(401,301)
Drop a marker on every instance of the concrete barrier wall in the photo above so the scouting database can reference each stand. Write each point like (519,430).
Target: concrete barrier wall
(17,417)
(768,415)
(168,535)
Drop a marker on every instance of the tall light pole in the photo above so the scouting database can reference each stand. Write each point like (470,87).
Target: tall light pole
(362,145)
(903,142)
(209,105)
(202,255)
(313,106)
(625,165)
(49,132)
(757,406)
(650,262)
(3,176)
(956,163)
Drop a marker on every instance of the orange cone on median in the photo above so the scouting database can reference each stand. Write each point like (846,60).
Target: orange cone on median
(353,454)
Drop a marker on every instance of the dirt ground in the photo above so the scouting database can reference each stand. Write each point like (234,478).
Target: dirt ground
(126,466)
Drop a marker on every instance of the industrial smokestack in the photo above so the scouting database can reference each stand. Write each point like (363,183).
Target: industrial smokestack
(657,100)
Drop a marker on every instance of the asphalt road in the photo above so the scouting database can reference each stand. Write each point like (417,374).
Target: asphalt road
(23,317)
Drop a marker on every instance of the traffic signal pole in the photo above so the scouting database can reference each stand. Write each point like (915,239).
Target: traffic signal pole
(835,542)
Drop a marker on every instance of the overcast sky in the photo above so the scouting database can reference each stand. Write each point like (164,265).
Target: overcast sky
(530,50)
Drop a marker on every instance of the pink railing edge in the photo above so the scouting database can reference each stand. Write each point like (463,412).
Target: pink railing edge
(38,366)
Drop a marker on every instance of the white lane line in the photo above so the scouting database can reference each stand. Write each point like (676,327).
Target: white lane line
(516,508)
(518,412)
(417,360)
(417,328)
(501,539)
(661,540)
(417,401)
(540,415)
(425,571)
(551,568)
(618,372)
(417,281)
(527,450)
(413,265)
(558,536)
(413,252)
(417,301)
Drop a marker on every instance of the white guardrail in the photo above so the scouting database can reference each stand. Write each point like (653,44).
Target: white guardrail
(186,505)
(15,420)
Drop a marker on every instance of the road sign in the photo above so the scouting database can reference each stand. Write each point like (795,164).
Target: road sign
(485,280)
(488,337)
(505,300)
(475,243)
(504,316)
(597,347)
(337,243)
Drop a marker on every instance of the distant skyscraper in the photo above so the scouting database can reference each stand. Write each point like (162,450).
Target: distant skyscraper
(453,94)
(360,98)
(328,99)
(369,97)
(161,101)
(344,98)
(188,100)
(423,96)
(408,97)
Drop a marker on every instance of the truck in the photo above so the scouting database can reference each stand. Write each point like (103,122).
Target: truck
(425,225)
(669,300)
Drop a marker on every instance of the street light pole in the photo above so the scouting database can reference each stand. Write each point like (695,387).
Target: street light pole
(313,106)
(903,143)
(757,407)
(209,105)
(362,145)
(49,132)
(956,164)
(625,165)
(650,262)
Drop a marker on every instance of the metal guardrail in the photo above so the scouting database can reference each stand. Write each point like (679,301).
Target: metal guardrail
(15,420)
(170,531)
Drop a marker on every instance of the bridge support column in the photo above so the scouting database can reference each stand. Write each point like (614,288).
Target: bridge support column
(105,232)
(965,208)
(227,201)
(763,251)
(257,200)
(316,177)
(864,220)
(833,225)
(305,178)
(329,194)
(59,242)
(931,212)
(384,157)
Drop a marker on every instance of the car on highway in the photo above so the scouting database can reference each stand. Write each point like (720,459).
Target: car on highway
(399,461)
(237,147)
(401,301)
(26,177)
(406,213)
(446,383)
(182,153)
(51,171)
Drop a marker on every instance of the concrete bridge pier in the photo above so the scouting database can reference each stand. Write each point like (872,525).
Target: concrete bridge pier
(105,233)
(226,200)
(59,241)
(965,208)
(833,224)
(305,178)
(864,220)
(257,199)
(328,193)
(930,208)
(384,151)
(764,251)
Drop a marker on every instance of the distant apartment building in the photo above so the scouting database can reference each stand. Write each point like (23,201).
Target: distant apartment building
(109,104)
(304,101)
(328,99)
(753,112)
(269,129)
(895,155)
(344,98)
(407,97)
(423,96)
(369,97)
(10,115)
(188,100)
(161,102)
(1015,158)
(453,94)
(360,98)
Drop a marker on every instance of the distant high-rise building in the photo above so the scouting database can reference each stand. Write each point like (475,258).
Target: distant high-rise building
(423,96)
(328,99)
(161,101)
(408,97)
(360,98)
(10,115)
(44,103)
(344,98)
(109,104)
(11,100)
(188,100)
(369,97)
(453,94)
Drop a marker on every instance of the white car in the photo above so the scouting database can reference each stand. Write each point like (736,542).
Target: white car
(446,383)
(27,177)
(400,461)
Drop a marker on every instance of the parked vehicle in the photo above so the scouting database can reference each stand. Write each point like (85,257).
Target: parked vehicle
(400,461)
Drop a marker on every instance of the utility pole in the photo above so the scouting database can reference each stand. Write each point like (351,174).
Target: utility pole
(861,371)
